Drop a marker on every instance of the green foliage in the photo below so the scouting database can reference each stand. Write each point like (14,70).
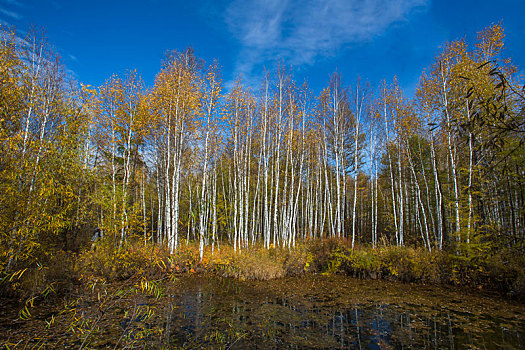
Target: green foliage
(399,263)
(365,263)
(479,265)
(322,250)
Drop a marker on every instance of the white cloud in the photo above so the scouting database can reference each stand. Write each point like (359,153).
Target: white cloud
(14,3)
(11,14)
(301,31)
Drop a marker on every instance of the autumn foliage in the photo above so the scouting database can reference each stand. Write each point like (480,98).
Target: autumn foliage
(185,176)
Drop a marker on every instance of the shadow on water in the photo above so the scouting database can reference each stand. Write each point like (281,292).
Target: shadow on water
(333,312)
(311,312)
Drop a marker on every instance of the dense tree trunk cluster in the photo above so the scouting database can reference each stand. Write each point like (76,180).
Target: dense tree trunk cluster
(275,166)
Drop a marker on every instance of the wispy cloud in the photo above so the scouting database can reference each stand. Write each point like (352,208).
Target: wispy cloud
(5,12)
(299,32)
(11,14)
(13,2)
(56,5)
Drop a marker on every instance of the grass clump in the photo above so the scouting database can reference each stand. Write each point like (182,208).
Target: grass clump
(254,264)
(259,263)
(405,264)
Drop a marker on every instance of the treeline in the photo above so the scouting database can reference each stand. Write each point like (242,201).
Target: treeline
(186,160)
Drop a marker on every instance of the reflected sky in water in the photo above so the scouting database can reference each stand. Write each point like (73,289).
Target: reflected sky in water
(310,312)
(334,312)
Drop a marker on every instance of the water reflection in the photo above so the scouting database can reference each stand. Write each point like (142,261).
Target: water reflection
(320,312)
(311,312)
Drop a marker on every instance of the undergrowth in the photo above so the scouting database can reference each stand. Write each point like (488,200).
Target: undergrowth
(503,270)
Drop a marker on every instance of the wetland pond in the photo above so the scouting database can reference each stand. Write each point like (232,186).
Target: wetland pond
(310,312)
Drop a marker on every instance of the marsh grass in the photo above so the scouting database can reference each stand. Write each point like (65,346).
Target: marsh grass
(503,270)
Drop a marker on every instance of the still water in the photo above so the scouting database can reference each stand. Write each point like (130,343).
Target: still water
(337,312)
(312,312)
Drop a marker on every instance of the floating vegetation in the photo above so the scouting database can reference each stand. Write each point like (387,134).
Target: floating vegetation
(310,312)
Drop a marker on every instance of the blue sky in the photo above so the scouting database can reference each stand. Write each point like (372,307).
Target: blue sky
(376,39)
